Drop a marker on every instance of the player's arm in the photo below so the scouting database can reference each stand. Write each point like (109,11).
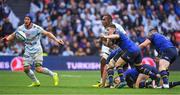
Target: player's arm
(51,36)
(139,79)
(113,36)
(9,38)
(145,43)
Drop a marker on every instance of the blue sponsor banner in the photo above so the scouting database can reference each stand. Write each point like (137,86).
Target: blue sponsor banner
(5,62)
(64,63)
(72,63)
(56,63)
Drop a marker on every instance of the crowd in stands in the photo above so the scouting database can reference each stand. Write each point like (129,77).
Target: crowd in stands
(78,22)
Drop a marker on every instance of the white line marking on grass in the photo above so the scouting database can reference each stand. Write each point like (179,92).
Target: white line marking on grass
(71,76)
(89,94)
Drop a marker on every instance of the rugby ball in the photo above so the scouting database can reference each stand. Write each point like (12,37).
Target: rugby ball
(20,35)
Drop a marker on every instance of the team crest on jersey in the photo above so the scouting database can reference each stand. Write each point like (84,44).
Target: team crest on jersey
(27,34)
(17,64)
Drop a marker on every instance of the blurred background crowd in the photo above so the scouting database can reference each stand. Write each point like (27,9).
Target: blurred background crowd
(78,23)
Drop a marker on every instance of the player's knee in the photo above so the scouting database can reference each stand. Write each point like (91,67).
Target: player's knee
(39,69)
(109,67)
(103,60)
(111,64)
(163,65)
(26,69)
(139,68)
(119,67)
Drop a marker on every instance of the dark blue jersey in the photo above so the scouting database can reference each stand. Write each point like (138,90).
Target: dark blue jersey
(160,42)
(112,54)
(133,73)
(126,44)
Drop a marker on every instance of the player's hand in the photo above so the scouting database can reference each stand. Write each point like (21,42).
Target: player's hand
(60,42)
(98,40)
(102,36)
(4,41)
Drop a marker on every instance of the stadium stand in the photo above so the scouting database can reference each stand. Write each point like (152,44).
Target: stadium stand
(78,22)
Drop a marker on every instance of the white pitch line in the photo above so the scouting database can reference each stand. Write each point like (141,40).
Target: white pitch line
(71,76)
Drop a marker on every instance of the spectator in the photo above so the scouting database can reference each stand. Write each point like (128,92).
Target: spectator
(78,22)
(80,52)
(7,27)
(54,50)
(67,52)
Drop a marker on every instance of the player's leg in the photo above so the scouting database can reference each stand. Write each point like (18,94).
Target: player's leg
(110,72)
(29,72)
(126,57)
(163,67)
(118,62)
(103,71)
(173,84)
(111,55)
(119,67)
(38,67)
(103,63)
(168,56)
(104,77)
(144,70)
(104,55)
(105,51)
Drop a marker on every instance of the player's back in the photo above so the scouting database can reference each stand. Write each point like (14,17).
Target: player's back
(33,35)
(148,61)
(126,44)
(119,28)
(160,42)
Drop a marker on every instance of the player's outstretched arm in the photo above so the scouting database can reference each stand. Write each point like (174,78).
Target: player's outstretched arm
(9,38)
(145,43)
(113,36)
(51,36)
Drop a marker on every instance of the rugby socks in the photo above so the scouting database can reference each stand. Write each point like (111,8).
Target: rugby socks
(145,71)
(31,75)
(47,72)
(142,84)
(110,76)
(164,76)
(120,73)
(173,84)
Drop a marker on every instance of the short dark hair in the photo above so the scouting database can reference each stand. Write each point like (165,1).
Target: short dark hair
(112,26)
(109,17)
(153,28)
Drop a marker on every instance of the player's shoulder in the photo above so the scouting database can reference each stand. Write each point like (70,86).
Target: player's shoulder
(119,27)
(21,26)
(36,26)
(116,24)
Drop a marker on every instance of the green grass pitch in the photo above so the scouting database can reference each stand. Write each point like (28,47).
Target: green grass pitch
(72,82)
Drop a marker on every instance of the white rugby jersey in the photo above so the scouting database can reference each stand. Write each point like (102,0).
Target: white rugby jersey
(33,36)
